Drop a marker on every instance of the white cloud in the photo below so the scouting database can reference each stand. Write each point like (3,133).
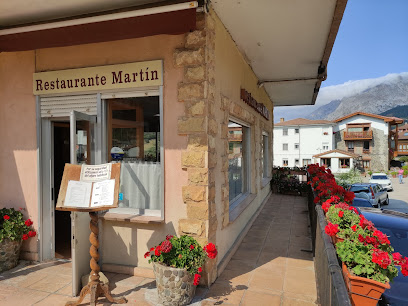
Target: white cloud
(335,92)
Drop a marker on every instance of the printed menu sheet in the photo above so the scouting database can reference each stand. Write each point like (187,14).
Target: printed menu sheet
(87,194)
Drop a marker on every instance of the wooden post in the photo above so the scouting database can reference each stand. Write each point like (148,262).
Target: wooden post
(95,287)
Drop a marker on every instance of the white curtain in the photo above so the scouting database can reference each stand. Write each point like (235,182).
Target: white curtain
(140,184)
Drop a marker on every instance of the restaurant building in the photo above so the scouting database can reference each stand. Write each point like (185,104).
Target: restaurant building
(177,93)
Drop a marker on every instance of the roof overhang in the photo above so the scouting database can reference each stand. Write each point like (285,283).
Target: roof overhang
(287,45)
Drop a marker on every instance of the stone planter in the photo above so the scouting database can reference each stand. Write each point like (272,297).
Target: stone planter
(174,286)
(9,253)
(363,291)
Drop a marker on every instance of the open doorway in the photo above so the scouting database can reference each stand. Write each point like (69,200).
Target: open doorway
(62,218)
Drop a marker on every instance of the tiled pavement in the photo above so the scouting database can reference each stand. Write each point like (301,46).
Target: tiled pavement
(272,266)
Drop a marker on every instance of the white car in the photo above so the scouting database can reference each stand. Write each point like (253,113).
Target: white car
(382,179)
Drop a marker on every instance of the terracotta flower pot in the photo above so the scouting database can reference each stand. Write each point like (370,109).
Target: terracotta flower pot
(175,286)
(363,291)
(336,239)
(9,254)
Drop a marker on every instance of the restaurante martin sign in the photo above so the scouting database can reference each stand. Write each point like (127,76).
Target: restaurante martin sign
(140,74)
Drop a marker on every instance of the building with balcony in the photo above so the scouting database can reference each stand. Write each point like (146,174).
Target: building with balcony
(402,147)
(369,136)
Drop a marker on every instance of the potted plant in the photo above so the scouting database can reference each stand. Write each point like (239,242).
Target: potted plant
(13,230)
(177,264)
(343,217)
(370,172)
(394,173)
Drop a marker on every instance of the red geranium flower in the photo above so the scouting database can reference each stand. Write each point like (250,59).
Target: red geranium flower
(6,217)
(211,250)
(331,229)
(157,251)
(168,237)
(166,246)
(200,269)
(196,279)
(354,228)
(341,213)
(28,222)
(191,247)
(25,237)
(147,254)
(32,233)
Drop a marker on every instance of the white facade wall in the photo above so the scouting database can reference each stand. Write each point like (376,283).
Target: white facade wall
(379,124)
(310,139)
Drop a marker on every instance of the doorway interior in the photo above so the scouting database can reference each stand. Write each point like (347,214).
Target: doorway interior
(62,221)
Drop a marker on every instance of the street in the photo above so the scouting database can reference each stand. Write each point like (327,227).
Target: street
(398,197)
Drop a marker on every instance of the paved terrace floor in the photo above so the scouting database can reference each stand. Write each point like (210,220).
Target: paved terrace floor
(272,266)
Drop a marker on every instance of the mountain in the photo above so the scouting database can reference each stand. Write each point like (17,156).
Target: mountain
(324,111)
(399,111)
(386,94)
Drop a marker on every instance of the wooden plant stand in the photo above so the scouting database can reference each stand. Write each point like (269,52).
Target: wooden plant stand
(95,287)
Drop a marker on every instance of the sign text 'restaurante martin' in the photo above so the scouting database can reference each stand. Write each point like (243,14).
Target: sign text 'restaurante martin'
(259,107)
(130,75)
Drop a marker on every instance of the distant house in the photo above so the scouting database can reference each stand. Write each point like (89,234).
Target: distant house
(402,144)
(297,141)
(370,137)
(337,161)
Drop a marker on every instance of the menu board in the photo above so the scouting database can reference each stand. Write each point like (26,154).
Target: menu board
(89,188)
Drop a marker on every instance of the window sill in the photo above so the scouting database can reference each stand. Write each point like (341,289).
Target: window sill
(265,181)
(239,208)
(133,218)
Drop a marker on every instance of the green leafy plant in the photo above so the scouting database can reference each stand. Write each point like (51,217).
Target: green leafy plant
(394,173)
(343,215)
(13,226)
(351,177)
(182,252)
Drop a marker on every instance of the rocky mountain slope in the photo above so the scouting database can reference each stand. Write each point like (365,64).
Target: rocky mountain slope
(376,100)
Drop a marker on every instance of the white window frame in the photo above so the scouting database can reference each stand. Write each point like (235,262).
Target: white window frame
(142,92)
(283,146)
(297,146)
(285,132)
(297,131)
(237,200)
(325,144)
(283,162)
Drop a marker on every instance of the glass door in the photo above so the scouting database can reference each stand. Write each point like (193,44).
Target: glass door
(82,131)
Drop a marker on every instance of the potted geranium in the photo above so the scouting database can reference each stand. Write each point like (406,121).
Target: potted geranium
(177,264)
(343,217)
(13,230)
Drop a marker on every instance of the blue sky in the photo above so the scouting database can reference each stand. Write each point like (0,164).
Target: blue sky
(372,41)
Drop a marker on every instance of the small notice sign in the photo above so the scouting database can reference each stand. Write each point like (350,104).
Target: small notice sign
(103,193)
(93,173)
(78,194)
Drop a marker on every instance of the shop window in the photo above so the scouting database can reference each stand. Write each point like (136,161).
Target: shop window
(296,131)
(296,146)
(325,162)
(344,162)
(306,162)
(238,162)
(134,138)
(265,154)
(285,162)
(285,147)
(285,132)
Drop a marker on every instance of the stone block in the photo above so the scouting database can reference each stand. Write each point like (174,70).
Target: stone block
(195,74)
(195,39)
(211,193)
(212,127)
(197,210)
(196,108)
(190,91)
(198,142)
(188,125)
(212,160)
(183,57)
(211,142)
(193,159)
(198,176)
(191,227)
(194,193)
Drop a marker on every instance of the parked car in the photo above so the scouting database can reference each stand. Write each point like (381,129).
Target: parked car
(372,192)
(396,163)
(395,225)
(360,202)
(382,179)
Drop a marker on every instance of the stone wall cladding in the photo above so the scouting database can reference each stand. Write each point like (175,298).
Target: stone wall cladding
(378,149)
(197,92)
